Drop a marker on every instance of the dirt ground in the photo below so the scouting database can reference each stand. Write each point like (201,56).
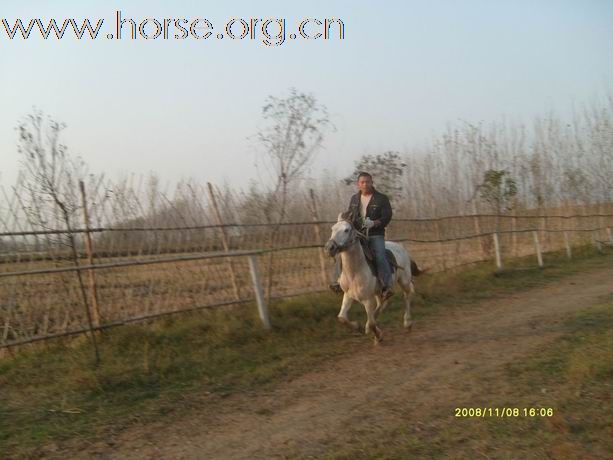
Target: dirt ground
(449,360)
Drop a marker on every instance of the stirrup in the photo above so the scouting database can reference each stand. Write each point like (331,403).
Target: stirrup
(386,294)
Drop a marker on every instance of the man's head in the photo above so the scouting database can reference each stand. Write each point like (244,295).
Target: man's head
(365,184)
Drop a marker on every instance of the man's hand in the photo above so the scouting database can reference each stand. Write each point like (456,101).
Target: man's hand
(368,224)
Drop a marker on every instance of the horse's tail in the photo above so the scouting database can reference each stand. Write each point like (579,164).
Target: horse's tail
(415,270)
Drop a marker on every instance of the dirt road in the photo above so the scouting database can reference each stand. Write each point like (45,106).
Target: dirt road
(447,361)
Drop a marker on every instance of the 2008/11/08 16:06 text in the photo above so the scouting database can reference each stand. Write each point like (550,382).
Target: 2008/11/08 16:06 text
(502,412)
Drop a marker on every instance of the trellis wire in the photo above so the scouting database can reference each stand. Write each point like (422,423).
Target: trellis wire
(39,300)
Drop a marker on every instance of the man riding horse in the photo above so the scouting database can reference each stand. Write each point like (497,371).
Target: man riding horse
(371,210)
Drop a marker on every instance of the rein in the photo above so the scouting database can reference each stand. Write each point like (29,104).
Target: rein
(355,236)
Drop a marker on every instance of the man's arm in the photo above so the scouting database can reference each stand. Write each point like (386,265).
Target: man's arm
(386,213)
(353,211)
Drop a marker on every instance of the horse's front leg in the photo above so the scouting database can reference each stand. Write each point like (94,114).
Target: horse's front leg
(380,306)
(371,324)
(343,315)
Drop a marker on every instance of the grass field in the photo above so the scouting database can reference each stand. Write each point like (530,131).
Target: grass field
(52,397)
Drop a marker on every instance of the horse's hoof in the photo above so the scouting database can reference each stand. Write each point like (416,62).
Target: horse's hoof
(354,325)
(408,326)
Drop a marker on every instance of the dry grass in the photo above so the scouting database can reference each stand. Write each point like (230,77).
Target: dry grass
(36,306)
(55,395)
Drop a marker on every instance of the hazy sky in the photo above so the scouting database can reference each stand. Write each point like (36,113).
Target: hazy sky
(187,108)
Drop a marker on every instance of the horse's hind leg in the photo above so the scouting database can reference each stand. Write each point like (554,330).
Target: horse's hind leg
(408,322)
(343,315)
(383,305)
(409,290)
(380,306)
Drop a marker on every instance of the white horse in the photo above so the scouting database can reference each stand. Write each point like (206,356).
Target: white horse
(358,282)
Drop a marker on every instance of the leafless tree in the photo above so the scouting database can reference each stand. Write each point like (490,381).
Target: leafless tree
(293,131)
(52,176)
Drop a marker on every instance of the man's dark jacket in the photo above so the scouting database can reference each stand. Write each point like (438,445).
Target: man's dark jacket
(379,208)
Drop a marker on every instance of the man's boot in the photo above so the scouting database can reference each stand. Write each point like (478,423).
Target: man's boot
(386,294)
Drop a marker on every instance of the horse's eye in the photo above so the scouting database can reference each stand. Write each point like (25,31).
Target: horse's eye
(346,230)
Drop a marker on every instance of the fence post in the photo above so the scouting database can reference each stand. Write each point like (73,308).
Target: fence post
(569,252)
(315,215)
(90,260)
(602,224)
(477,225)
(257,288)
(597,243)
(497,250)
(224,240)
(441,244)
(546,234)
(537,246)
(514,230)
(88,310)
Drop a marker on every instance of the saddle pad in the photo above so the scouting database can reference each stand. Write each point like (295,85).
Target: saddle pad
(370,258)
(391,259)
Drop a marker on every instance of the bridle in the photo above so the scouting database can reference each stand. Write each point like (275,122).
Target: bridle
(354,236)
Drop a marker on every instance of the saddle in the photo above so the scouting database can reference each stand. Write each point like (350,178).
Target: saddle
(370,257)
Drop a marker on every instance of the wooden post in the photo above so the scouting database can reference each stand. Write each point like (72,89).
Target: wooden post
(602,223)
(497,250)
(537,246)
(90,260)
(477,225)
(322,260)
(514,230)
(441,245)
(597,243)
(546,234)
(569,252)
(88,310)
(259,295)
(224,240)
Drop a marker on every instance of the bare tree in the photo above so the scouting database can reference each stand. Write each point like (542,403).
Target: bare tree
(52,176)
(498,189)
(293,131)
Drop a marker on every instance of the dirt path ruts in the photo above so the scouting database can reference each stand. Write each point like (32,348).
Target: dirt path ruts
(410,378)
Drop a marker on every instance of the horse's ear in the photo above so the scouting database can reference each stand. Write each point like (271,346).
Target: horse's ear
(344,216)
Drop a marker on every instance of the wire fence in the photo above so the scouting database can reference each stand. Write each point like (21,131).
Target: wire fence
(116,261)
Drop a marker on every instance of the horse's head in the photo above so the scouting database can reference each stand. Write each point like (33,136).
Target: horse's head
(343,235)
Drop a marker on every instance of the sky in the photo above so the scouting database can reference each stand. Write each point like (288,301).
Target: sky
(191,108)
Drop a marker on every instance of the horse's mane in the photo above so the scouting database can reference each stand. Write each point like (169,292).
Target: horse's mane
(347,216)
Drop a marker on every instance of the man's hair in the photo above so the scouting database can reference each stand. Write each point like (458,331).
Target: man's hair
(364,174)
